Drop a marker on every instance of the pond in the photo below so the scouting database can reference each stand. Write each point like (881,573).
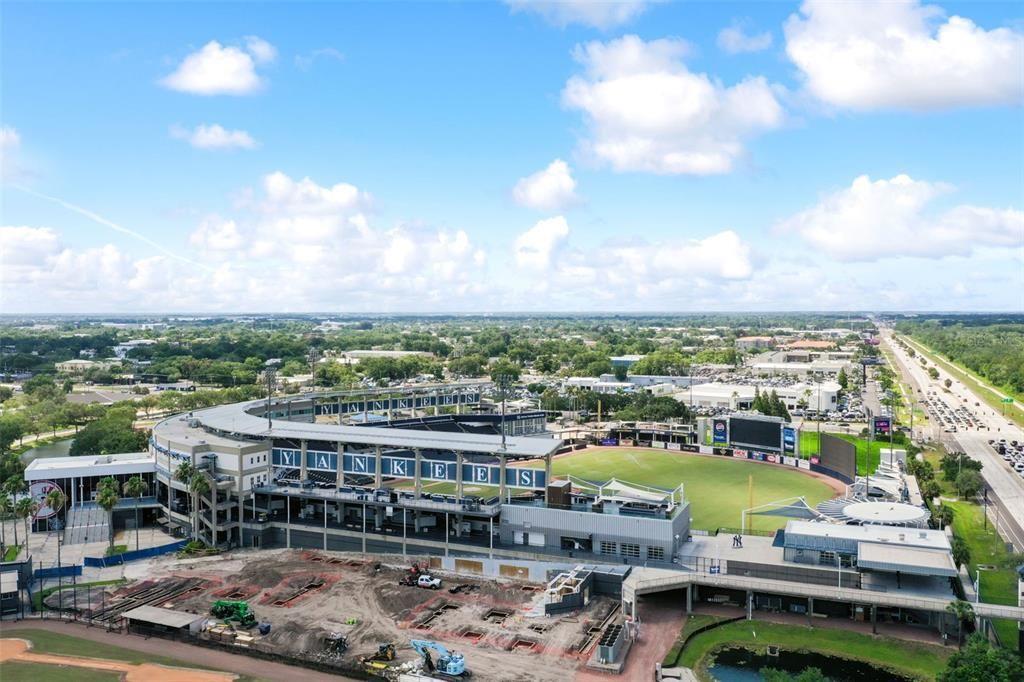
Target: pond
(743,665)
(58,448)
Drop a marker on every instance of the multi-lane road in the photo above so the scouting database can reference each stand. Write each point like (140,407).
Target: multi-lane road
(1006,485)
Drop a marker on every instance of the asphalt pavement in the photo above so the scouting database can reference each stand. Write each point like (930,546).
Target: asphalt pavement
(1006,485)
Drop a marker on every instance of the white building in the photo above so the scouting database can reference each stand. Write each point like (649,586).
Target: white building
(801,363)
(741,396)
(121,350)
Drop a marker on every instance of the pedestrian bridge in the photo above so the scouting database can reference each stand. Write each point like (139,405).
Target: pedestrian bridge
(644,581)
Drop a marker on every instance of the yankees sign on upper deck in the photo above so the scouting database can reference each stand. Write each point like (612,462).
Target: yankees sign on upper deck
(405,467)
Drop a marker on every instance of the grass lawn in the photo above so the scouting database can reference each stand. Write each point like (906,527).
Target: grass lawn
(715,486)
(922,661)
(869,453)
(11,553)
(39,596)
(59,643)
(998,586)
(41,672)
(693,623)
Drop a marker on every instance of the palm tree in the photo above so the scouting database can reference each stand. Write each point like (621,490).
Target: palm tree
(135,487)
(55,500)
(964,613)
(6,507)
(199,485)
(107,498)
(24,509)
(184,473)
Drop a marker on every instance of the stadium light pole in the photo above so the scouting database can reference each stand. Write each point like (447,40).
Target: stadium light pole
(270,374)
(503,381)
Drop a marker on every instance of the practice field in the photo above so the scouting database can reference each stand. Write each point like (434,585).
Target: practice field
(715,486)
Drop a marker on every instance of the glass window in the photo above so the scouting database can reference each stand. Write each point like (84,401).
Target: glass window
(630,550)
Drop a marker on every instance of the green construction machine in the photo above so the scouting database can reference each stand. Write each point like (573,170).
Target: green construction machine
(237,611)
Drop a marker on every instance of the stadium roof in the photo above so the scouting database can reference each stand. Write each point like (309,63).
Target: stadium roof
(236,419)
(814,535)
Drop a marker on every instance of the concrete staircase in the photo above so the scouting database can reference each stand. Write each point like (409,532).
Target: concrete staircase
(86,523)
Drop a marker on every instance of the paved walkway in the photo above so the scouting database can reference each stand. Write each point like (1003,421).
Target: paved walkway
(200,656)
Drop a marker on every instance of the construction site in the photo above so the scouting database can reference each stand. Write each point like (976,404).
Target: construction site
(363,616)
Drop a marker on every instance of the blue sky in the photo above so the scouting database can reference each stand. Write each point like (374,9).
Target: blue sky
(511,156)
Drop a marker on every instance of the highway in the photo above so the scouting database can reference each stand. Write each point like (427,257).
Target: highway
(1007,487)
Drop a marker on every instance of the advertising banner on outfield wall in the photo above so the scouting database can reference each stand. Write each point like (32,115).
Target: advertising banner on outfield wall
(687,447)
(719,431)
(658,444)
(608,441)
(627,442)
(803,464)
(788,439)
(725,452)
(674,446)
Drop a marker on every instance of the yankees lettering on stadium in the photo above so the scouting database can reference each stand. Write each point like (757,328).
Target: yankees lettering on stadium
(405,467)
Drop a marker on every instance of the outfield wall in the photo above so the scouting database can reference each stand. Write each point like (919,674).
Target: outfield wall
(738,453)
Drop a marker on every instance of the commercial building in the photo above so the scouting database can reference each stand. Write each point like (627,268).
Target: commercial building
(802,363)
(80,367)
(822,396)
(625,361)
(122,350)
(754,342)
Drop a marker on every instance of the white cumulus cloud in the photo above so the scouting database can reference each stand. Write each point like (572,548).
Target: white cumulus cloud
(549,189)
(10,146)
(900,54)
(214,137)
(872,220)
(535,247)
(735,40)
(215,234)
(647,112)
(667,274)
(262,51)
(602,14)
(217,69)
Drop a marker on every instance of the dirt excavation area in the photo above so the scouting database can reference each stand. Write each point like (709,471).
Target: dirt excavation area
(313,600)
(19,650)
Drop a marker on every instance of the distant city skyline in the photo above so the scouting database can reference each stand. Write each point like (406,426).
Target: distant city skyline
(629,157)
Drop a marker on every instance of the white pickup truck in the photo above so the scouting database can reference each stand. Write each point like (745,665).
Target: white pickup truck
(429,582)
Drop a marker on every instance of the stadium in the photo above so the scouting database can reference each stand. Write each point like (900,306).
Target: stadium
(434,471)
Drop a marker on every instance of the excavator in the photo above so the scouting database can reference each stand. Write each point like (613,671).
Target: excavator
(448,665)
(237,611)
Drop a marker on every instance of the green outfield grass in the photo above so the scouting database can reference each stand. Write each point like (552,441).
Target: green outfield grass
(715,486)
(869,453)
